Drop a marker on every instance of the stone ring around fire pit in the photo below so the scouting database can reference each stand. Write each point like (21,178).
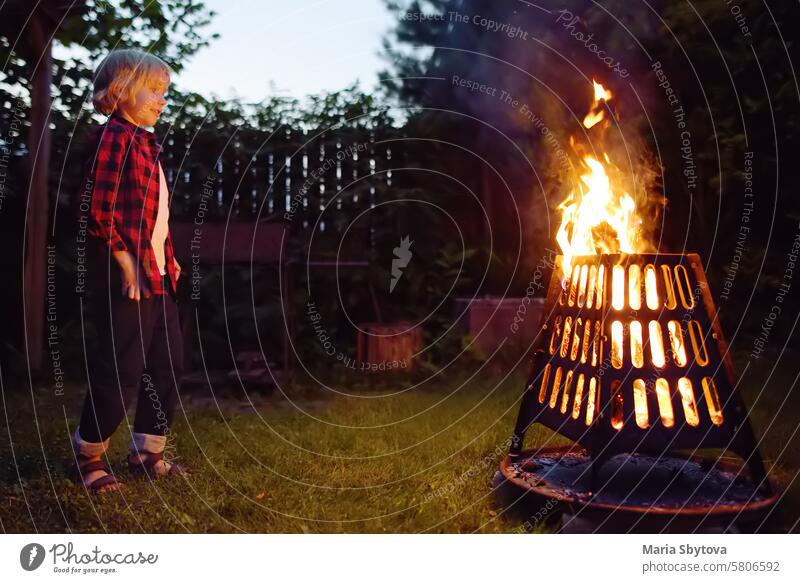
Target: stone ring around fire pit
(637,491)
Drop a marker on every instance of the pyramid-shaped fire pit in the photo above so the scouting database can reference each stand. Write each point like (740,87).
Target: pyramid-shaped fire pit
(631,360)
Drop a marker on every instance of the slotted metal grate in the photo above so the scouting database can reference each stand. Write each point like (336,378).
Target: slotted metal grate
(631,358)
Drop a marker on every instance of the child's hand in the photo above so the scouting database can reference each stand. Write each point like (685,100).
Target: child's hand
(177,270)
(133,286)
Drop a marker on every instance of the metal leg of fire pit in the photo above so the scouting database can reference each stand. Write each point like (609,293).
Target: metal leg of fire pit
(524,419)
(596,454)
(747,448)
(523,422)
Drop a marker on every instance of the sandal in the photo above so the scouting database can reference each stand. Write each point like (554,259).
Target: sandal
(146,468)
(98,485)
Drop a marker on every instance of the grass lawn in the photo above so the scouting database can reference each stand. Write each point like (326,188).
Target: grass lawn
(389,459)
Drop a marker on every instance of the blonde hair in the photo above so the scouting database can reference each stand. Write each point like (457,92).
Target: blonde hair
(120,75)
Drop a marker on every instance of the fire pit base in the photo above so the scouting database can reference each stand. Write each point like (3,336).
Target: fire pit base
(639,492)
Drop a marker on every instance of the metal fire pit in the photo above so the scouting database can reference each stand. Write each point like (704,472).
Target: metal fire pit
(631,359)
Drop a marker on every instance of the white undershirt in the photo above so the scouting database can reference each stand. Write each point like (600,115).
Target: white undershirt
(161,228)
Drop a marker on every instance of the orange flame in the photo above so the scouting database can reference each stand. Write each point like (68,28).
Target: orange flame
(597,113)
(599,217)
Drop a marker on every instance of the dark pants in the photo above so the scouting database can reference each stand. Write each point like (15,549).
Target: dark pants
(140,351)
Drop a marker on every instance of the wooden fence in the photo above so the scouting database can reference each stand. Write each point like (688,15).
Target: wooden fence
(321,182)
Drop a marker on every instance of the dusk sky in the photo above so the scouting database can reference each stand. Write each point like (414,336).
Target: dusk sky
(302,46)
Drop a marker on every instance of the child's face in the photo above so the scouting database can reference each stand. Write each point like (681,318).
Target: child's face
(147,103)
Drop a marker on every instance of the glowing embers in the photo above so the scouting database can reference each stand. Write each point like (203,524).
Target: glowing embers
(556,386)
(640,409)
(566,338)
(635,287)
(650,287)
(590,286)
(689,404)
(563,392)
(584,287)
(543,385)
(616,344)
(637,348)
(685,392)
(601,280)
(664,403)
(575,338)
(576,405)
(677,352)
(592,399)
(656,344)
(617,410)
(596,344)
(676,343)
(587,335)
(567,388)
(712,400)
(664,400)
(556,335)
(640,403)
(573,288)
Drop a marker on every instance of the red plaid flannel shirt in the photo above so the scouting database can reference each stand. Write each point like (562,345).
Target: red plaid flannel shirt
(125,187)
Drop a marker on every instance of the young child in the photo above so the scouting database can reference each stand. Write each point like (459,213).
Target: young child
(133,275)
